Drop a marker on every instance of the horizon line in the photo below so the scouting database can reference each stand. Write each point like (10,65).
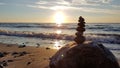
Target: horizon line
(65,22)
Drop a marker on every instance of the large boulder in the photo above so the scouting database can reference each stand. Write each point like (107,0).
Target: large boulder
(87,55)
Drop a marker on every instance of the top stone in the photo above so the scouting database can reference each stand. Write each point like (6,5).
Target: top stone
(81,19)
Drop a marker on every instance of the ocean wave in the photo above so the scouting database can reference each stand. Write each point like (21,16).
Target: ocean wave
(103,27)
(117,29)
(103,38)
(23,25)
(95,27)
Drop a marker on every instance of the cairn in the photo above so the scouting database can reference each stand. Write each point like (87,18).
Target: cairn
(87,55)
(80,29)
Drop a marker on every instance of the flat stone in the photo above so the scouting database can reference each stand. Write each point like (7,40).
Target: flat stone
(79,39)
(79,33)
(81,19)
(81,24)
(80,29)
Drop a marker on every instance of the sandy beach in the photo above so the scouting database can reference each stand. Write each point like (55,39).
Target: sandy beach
(26,57)
(33,33)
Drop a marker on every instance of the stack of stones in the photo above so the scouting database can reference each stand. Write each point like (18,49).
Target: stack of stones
(80,29)
(87,55)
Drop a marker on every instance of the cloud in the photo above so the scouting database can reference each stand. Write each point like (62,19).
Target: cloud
(2,3)
(75,5)
(89,2)
(60,2)
(98,10)
(73,2)
(52,5)
(42,2)
(33,6)
(83,9)
(115,6)
(106,1)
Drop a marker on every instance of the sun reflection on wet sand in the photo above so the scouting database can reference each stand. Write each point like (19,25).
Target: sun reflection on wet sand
(58,44)
(59,19)
(58,31)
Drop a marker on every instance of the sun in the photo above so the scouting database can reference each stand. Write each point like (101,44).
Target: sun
(59,18)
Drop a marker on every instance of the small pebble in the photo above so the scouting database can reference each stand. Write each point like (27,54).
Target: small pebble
(1,66)
(5,64)
(15,53)
(47,48)
(29,63)
(21,46)
(1,55)
(9,60)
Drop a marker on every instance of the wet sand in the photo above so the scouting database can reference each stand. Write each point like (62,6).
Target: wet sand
(26,57)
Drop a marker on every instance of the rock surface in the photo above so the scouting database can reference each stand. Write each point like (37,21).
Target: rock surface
(86,55)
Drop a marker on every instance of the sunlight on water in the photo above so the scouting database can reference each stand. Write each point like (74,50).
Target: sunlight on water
(58,31)
(57,44)
(59,25)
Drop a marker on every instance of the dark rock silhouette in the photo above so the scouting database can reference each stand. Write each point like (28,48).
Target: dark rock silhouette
(14,53)
(83,54)
(1,66)
(18,54)
(80,29)
(1,54)
(87,55)
(10,60)
(22,53)
(28,63)
(21,46)
(47,48)
(5,63)
(38,45)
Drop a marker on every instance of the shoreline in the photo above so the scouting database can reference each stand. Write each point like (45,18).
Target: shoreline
(26,57)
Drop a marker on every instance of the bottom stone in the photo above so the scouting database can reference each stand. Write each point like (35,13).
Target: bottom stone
(90,55)
(79,40)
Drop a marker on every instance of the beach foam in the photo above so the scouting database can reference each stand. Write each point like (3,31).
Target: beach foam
(104,38)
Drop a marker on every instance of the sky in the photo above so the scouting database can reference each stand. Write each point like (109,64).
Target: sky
(46,11)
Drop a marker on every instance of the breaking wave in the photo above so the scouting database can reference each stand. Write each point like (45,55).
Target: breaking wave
(104,27)
(103,38)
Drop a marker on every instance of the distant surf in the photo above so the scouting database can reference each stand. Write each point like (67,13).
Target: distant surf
(104,38)
(103,27)
(108,33)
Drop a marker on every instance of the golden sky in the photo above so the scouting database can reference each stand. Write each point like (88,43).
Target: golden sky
(66,11)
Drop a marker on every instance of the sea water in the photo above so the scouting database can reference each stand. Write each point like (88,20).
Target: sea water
(54,36)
